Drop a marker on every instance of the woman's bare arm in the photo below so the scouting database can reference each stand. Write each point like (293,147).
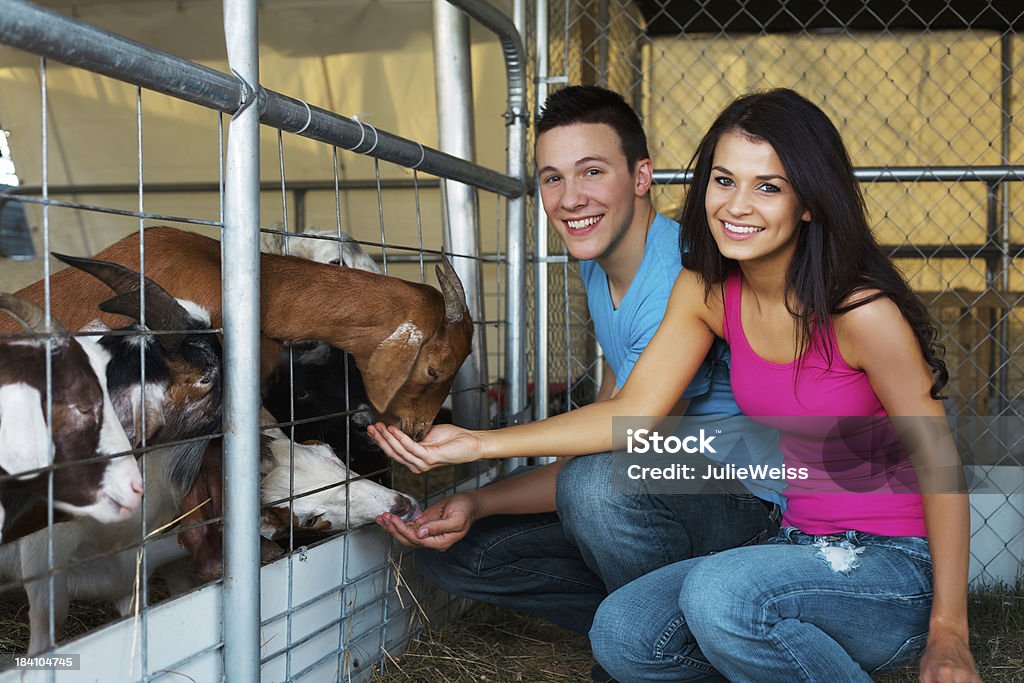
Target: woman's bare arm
(664,370)
(902,380)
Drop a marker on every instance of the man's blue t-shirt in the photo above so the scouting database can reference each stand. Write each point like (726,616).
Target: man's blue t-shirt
(625,332)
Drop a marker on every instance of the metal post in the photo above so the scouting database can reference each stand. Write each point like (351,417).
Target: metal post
(515,285)
(540,290)
(1006,123)
(459,202)
(299,197)
(603,38)
(241,320)
(517,119)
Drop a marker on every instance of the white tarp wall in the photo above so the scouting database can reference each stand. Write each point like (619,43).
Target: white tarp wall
(370,59)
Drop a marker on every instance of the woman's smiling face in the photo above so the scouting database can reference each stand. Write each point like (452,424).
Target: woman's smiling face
(752,208)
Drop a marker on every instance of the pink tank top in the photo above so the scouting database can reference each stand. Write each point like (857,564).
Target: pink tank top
(831,423)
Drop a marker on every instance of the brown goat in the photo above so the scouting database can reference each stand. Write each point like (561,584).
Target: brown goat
(408,339)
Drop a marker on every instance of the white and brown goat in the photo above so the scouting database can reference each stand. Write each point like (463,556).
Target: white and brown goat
(182,402)
(90,477)
(307,486)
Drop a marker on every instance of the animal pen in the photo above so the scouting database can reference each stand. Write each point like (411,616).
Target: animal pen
(128,115)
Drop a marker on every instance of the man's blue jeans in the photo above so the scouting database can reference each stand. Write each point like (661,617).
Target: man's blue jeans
(790,609)
(560,566)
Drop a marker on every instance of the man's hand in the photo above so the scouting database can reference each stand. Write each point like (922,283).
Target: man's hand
(439,527)
(443,445)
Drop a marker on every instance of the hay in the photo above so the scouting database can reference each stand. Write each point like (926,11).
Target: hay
(82,618)
(494,645)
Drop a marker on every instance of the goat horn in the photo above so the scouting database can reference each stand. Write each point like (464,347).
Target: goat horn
(156,317)
(29,315)
(451,286)
(163,312)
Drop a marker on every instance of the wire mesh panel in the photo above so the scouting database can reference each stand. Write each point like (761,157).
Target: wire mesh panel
(338,597)
(927,96)
(360,600)
(136,561)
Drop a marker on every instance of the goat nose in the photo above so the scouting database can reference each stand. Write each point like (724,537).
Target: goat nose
(405,507)
(137,486)
(401,507)
(419,435)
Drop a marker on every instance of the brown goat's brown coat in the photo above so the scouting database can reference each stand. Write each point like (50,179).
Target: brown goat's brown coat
(407,375)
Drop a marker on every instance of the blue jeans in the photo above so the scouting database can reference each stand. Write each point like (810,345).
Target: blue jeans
(560,566)
(785,610)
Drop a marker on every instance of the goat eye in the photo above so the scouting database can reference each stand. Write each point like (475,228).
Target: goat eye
(85,409)
(335,262)
(433,373)
(302,395)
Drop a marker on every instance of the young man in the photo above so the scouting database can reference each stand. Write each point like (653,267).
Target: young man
(555,540)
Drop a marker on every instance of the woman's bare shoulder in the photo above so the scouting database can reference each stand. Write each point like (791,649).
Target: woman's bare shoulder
(691,298)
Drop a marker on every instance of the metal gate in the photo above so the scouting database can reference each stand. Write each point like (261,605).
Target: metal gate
(327,610)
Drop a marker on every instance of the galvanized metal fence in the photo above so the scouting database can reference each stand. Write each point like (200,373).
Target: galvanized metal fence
(326,611)
(928,98)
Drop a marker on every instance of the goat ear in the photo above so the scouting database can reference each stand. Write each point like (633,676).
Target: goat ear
(24,436)
(389,367)
(128,406)
(154,419)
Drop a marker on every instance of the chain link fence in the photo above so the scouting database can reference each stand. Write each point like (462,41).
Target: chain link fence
(928,98)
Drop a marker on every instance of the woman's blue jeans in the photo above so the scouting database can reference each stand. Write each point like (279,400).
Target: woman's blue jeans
(561,566)
(795,608)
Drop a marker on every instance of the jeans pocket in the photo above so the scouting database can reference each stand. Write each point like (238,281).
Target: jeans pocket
(909,652)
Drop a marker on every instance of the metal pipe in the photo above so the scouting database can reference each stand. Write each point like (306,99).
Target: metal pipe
(189,188)
(540,290)
(1004,173)
(300,210)
(988,251)
(991,274)
(1002,332)
(47,33)
(458,201)
(491,18)
(883,174)
(241,319)
(515,273)
(509,33)
(603,37)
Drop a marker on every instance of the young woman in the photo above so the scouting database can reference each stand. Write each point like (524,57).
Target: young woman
(782,265)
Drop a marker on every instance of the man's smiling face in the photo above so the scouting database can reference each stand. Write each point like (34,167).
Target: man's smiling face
(587,187)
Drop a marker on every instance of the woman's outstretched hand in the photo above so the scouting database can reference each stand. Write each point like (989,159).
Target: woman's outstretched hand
(443,445)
